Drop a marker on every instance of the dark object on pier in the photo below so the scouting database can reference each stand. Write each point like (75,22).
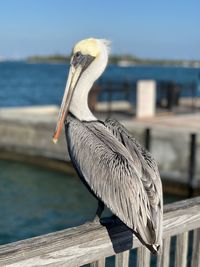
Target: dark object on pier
(170,93)
(93,96)
(115,90)
(148,139)
(192,164)
(173,95)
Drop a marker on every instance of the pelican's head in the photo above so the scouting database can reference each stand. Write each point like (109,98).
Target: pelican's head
(88,61)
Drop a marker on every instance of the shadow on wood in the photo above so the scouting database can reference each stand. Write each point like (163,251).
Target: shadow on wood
(120,235)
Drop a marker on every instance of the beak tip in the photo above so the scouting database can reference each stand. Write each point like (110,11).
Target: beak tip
(55,140)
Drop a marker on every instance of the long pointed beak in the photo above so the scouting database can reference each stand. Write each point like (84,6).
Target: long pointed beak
(73,77)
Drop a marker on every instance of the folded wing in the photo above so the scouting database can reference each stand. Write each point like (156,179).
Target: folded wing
(120,173)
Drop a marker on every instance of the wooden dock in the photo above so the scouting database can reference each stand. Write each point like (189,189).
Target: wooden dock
(92,243)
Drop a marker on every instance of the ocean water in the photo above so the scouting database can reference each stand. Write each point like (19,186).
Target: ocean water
(35,201)
(25,84)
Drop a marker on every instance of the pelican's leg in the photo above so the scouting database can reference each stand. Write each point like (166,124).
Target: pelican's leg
(99,211)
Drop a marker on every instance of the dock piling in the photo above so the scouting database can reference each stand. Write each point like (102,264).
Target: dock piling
(192,164)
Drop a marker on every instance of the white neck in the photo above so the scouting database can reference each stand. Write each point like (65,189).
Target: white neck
(79,103)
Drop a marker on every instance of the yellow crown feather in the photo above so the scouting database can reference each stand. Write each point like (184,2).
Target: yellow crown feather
(90,46)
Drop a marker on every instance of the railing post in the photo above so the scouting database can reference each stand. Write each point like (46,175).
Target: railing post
(99,263)
(122,259)
(192,164)
(147,141)
(143,257)
(181,250)
(164,259)
(196,248)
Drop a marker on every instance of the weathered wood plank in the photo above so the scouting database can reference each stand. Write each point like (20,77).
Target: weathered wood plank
(163,259)
(181,217)
(181,250)
(143,257)
(196,249)
(91,241)
(122,259)
(71,247)
(99,263)
(183,204)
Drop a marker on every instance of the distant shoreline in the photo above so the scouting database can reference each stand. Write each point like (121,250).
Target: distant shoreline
(123,61)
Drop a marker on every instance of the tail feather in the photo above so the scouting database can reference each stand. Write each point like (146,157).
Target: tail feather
(154,248)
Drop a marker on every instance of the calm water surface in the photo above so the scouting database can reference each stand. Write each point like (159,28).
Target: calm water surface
(35,201)
(25,84)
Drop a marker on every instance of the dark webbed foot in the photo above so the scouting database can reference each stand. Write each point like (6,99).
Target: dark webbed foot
(109,221)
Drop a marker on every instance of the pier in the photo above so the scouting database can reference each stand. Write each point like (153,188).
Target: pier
(92,243)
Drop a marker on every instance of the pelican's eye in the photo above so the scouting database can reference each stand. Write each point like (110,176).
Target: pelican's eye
(77,54)
(77,59)
(81,60)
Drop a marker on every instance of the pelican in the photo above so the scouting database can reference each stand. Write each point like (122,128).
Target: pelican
(115,168)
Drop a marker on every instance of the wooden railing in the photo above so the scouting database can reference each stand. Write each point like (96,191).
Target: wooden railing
(92,243)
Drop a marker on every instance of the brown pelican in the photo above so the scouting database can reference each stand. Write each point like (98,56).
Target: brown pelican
(112,164)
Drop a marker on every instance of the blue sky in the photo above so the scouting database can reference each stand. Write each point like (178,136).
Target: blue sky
(153,29)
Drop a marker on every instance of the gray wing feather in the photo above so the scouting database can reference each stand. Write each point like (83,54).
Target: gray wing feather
(115,174)
(150,175)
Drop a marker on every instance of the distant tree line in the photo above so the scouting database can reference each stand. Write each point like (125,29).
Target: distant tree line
(118,59)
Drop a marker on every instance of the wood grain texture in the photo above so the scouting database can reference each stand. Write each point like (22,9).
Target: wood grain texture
(143,257)
(196,249)
(122,259)
(181,250)
(99,263)
(91,241)
(164,259)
